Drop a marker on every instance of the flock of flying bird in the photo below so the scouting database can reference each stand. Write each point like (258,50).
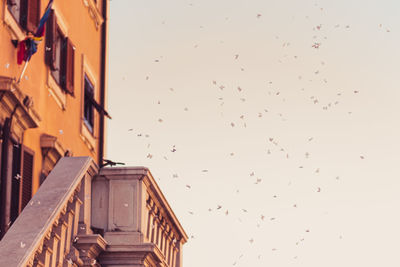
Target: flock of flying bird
(272,141)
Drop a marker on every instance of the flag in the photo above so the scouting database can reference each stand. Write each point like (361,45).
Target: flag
(41,28)
(28,47)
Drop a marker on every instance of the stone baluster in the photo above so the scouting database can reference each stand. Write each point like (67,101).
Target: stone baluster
(69,221)
(162,235)
(54,240)
(166,247)
(85,196)
(156,231)
(174,253)
(179,254)
(159,230)
(146,218)
(149,225)
(62,232)
(78,202)
(169,249)
(150,221)
(155,226)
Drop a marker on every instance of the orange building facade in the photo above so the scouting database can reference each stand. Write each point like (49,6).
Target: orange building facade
(56,109)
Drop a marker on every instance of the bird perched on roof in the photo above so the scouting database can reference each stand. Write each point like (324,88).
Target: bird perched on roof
(111,163)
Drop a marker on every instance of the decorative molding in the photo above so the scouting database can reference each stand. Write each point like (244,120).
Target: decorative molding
(90,246)
(94,12)
(52,151)
(12,25)
(89,71)
(133,255)
(13,101)
(61,21)
(87,137)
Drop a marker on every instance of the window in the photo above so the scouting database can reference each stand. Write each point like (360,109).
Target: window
(60,55)
(88,107)
(26,13)
(21,178)
(16,177)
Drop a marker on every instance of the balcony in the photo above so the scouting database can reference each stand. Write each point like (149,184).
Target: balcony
(82,217)
(137,221)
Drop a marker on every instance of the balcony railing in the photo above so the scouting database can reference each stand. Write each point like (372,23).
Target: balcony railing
(82,218)
(138,223)
(54,228)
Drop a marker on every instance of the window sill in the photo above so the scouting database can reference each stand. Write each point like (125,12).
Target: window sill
(12,25)
(88,126)
(87,137)
(56,92)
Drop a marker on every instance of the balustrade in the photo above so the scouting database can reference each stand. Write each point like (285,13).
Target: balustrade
(47,233)
(150,229)
(125,205)
(159,231)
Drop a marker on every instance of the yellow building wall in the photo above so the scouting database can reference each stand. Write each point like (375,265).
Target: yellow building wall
(65,124)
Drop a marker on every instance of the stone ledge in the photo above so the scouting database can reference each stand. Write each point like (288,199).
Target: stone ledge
(90,246)
(132,255)
(94,12)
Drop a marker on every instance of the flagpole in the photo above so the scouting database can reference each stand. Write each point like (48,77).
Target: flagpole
(36,38)
(23,71)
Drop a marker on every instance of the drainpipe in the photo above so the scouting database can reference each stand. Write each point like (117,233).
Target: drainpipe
(103,79)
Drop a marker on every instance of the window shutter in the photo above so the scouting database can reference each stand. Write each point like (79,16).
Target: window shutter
(1,150)
(23,13)
(51,35)
(33,15)
(15,157)
(26,176)
(69,82)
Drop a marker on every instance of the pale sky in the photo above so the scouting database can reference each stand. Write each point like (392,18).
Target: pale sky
(309,142)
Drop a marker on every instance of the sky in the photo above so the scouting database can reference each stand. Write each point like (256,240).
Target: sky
(272,127)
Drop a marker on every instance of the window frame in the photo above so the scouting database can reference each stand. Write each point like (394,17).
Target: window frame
(28,16)
(89,122)
(57,69)
(16,14)
(59,88)
(22,200)
(89,138)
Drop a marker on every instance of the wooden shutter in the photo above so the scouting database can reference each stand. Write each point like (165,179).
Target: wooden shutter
(51,38)
(70,61)
(15,157)
(27,156)
(1,152)
(23,13)
(32,15)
